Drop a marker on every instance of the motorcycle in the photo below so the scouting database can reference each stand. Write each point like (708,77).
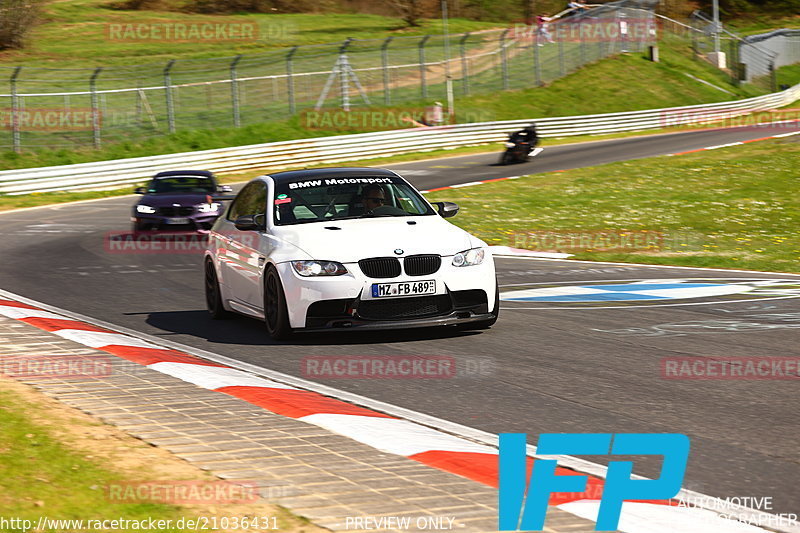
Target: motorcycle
(518,152)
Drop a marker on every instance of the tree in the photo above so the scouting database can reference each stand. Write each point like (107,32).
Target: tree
(17,18)
(411,11)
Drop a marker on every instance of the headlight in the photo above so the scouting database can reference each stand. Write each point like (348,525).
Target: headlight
(141,208)
(319,268)
(208,208)
(473,256)
(510,145)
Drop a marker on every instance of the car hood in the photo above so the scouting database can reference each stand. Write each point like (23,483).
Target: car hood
(376,237)
(184,199)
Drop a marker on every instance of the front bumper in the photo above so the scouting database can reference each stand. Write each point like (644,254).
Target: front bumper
(464,294)
(453,319)
(159,223)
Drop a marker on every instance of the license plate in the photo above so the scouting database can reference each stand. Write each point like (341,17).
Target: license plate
(177,221)
(403,288)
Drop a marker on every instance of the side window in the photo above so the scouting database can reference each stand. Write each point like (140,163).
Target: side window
(252,200)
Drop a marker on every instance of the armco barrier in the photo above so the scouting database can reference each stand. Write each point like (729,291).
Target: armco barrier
(298,153)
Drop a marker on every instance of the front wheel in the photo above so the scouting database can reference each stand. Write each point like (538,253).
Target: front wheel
(506,158)
(213,294)
(276,315)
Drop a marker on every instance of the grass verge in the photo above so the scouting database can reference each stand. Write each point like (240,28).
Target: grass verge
(733,207)
(57,462)
(80,34)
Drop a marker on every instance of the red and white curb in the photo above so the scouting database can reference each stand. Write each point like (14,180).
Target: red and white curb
(447,452)
(737,143)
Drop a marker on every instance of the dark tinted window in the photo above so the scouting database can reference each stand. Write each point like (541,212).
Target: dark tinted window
(325,199)
(181,184)
(252,200)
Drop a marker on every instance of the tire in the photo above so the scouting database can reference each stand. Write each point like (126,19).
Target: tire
(489,322)
(506,158)
(213,293)
(276,315)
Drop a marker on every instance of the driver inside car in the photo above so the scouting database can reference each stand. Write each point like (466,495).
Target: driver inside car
(372,197)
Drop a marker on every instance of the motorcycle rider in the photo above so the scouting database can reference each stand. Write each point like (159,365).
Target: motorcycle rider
(527,134)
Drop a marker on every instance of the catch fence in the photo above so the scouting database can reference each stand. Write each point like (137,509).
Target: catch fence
(73,108)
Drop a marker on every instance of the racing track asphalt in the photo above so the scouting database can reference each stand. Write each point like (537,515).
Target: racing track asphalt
(547,369)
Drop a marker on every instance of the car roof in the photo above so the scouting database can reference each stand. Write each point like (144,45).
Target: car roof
(294,175)
(199,173)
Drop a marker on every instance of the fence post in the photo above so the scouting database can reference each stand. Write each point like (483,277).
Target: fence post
(344,73)
(773,77)
(95,110)
(601,49)
(561,66)
(290,79)
(733,58)
(168,92)
(423,85)
(462,43)
(583,42)
(235,91)
(537,64)
(387,97)
(15,136)
(504,58)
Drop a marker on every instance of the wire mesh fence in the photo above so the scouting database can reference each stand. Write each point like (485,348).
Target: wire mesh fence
(70,108)
(752,59)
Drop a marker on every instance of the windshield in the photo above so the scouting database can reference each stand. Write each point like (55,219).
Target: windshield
(326,199)
(182,184)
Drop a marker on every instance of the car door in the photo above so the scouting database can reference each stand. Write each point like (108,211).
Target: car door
(242,258)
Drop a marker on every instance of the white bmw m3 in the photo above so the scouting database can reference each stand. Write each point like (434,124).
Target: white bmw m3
(346,248)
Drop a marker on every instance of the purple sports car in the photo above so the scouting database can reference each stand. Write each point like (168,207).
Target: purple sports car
(178,200)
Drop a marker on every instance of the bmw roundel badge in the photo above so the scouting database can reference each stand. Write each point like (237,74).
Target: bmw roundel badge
(398,251)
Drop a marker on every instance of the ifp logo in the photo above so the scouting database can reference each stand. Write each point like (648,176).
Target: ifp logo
(619,486)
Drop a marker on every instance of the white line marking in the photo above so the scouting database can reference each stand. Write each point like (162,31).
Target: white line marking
(469,184)
(722,146)
(787,134)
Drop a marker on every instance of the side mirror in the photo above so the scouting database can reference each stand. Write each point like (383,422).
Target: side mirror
(224,188)
(249,223)
(140,190)
(446,209)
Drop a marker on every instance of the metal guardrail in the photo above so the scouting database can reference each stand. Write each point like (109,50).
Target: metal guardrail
(324,150)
